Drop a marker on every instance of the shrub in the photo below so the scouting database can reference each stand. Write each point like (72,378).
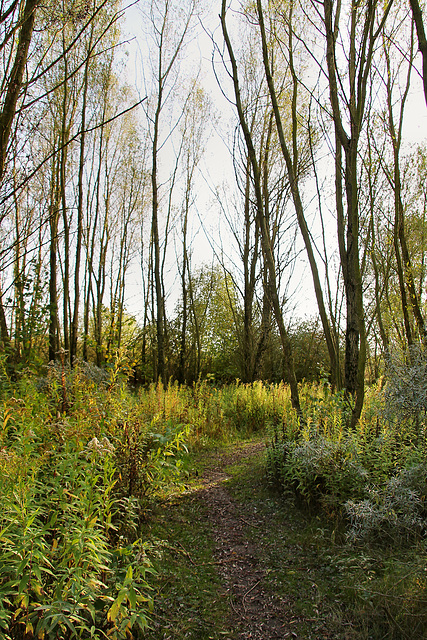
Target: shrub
(63,573)
(149,458)
(405,393)
(395,510)
(321,469)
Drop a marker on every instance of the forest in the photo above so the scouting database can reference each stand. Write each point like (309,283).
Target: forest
(213,260)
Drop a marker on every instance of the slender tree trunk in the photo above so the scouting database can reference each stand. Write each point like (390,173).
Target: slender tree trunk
(185,262)
(8,112)
(248,293)
(403,259)
(160,329)
(4,332)
(373,254)
(53,265)
(422,40)
(7,117)
(292,168)
(198,358)
(80,205)
(66,264)
(19,278)
(265,235)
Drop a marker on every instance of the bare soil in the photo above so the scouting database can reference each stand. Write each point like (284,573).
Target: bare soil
(257,614)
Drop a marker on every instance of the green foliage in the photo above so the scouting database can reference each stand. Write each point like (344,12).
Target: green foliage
(78,463)
(84,462)
(211,336)
(62,573)
(309,350)
(373,477)
(320,469)
(149,461)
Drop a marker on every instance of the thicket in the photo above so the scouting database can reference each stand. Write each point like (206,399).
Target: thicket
(370,484)
(83,458)
(373,477)
(80,460)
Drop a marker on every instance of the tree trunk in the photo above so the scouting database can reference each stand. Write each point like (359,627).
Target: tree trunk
(14,83)
(422,40)
(292,168)
(362,20)
(265,235)
(75,320)
(53,265)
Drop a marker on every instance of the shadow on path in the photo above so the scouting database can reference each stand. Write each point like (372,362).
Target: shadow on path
(257,615)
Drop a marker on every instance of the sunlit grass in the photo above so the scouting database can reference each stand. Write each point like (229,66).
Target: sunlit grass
(47,424)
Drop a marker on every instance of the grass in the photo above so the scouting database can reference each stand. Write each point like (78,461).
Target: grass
(335,589)
(190,602)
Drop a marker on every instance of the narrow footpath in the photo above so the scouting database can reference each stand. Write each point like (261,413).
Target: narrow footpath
(238,563)
(258,615)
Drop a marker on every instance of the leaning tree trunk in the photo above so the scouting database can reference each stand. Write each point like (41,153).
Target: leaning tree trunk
(265,236)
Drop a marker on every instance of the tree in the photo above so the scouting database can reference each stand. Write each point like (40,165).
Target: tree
(366,21)
(169,29)
(422,40)
(264,231)
(292,157)
(193,129)
(211,332)
(19,15)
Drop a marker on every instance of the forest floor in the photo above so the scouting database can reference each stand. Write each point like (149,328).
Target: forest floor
(238,561)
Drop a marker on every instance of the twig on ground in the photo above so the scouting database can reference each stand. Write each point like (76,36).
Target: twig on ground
(248,592)
(185,552)
(250,524)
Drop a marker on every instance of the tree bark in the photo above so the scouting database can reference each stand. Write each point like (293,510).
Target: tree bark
(14,83)
(265,236)
(422,40)
(80,204)
(53,265)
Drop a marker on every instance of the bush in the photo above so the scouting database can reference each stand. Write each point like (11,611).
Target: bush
(394,511)
(320,469)
(63,573)
(405,393)
(150,461)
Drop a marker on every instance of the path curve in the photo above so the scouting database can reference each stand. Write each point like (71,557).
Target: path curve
(257,615)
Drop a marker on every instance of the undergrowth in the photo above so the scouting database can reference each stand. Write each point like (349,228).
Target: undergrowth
(84,461)
(369,486)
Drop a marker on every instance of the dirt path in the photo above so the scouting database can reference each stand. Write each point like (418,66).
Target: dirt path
(238,562)
(257,614)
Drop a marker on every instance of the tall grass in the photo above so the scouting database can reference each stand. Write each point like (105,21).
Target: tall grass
(82,458)
(78,463)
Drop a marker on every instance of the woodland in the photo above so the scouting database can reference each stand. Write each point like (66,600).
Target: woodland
(179,183)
